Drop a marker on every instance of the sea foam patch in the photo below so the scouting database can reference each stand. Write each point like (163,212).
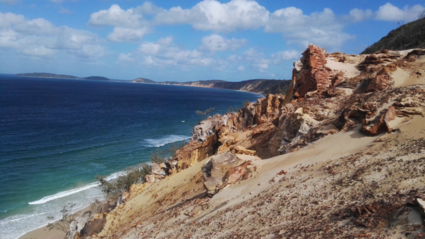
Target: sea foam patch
(165,140)
(75,190)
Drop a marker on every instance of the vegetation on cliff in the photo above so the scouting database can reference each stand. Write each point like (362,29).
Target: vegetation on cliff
(407,36)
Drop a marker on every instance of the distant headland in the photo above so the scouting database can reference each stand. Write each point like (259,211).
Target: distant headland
(261,86)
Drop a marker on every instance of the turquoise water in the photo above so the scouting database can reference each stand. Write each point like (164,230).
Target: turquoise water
(57,135)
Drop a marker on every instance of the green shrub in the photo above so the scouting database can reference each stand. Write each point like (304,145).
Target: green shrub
(162,155)
(133,175)
(206,112)
(63,223)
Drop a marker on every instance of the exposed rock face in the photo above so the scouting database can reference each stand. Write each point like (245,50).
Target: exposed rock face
(242,150)
(312,74)
(332,92)
(215,170)
(224,169)
(78,224)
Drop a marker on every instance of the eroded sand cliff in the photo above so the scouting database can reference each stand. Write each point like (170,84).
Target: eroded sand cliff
(344,158)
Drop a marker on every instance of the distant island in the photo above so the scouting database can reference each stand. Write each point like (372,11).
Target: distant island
(59,76)
(143,80)
(48,75)
(96,78)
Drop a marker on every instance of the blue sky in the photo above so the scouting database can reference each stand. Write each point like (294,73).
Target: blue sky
(187,40)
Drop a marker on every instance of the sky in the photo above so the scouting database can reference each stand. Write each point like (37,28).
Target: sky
(187,40)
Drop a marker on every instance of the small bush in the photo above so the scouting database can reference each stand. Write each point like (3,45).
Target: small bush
(159,156)
(162,155)
(206,112)
(134,175)
(65,221)
(421,15)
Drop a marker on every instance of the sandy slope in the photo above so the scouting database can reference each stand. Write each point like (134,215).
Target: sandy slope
(317,198)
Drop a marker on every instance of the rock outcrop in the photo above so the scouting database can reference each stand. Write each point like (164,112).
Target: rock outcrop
(332,92)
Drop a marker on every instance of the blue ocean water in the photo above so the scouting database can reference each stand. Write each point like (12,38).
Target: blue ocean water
(57,135)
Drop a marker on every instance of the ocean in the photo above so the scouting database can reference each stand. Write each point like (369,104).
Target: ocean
(57,135)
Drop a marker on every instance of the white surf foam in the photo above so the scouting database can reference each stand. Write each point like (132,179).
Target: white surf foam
(165,140)
(73,191)
(41,214)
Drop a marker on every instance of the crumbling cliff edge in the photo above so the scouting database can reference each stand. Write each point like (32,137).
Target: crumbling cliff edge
(341,155)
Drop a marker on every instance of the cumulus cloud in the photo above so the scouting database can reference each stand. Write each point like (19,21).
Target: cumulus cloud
(319,28)
(129,25)
(216,42)
(358,15)
(281,56)
(39,37)
(127,34)
(215,16)
(115,16)
(389,12)
(164,53)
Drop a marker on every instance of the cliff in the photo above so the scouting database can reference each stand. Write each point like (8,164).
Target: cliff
(407,36)
(261,86)
(341,155)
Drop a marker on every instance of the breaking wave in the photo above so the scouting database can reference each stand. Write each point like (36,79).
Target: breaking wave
(165,140)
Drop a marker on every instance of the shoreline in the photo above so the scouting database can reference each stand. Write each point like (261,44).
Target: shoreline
(44,233)
(199,86)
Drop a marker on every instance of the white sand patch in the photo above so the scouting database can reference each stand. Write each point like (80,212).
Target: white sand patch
(399,76)
(393,124)
(349,69)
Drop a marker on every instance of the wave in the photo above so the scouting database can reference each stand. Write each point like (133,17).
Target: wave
(21,218)
(165,140)
(75,190)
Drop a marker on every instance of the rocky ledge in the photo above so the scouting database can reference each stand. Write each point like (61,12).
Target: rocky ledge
(342,154)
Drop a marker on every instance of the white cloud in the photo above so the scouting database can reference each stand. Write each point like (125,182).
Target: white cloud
(39,37)
(216,42)
(8,19)
(127,34)
(281,56)
(38,51)
(389,12)
(148,8)
(115,16)
(166,41)
(241,68)
(358,15)
(129,25)
(164,53)
(319,28)
(213,15)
